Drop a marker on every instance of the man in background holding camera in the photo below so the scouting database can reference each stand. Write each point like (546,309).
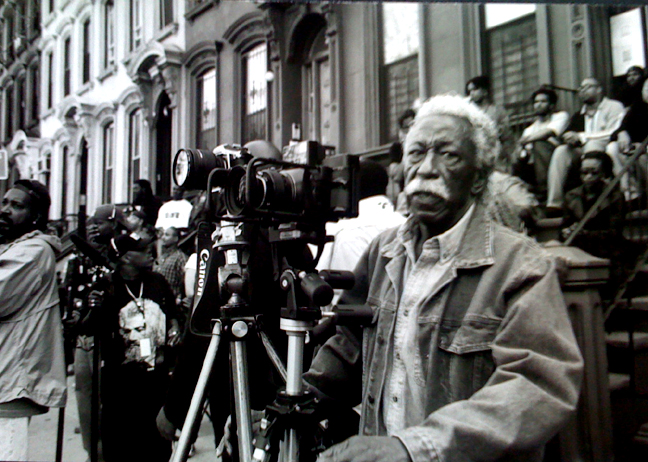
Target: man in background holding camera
(32,365)
(471,354)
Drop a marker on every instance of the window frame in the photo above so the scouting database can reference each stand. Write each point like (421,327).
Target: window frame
(86,57)
(109,51)
(248,135)
(389,118)
(136,26)
(67,65)
(134,146)
(108,161)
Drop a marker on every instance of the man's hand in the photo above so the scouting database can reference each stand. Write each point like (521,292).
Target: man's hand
(624,142)
(95,298)
(165,427)
(571,138)
(174,333)
(366,449)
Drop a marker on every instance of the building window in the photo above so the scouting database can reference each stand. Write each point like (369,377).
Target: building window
(35,109)
(108,162)
(109,34)
(21,103)
(134,146)
(512,56)
(64,181)
(44,168)
(255,98)
(9,112)
(51,5)
(86,51)
(206,110)
(67,65)
(317,80)
(136,24)
(8,38)
(35,18)
(399,72)
(50,79)
(166,13)
(21,19)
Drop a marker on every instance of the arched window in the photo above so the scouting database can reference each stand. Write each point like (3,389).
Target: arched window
(255,95)
(86,51)
(135,24)
(64,181)
(206,109)
(109,34)
(21,103)
(399,70)
(108,162)
(134,146)
(49,62)
(67,65)
(44,168)
(317,92)
(9,112)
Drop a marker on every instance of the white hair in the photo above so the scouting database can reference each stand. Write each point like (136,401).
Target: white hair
(484,130)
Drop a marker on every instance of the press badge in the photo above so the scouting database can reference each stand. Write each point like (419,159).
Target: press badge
(145,347)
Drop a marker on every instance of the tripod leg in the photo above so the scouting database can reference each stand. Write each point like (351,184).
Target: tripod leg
(182,449)
(241,394)
(296,341)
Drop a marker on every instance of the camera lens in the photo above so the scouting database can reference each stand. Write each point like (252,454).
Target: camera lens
(191,167)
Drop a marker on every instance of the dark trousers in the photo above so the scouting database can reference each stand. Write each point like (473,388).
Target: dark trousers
(131,399)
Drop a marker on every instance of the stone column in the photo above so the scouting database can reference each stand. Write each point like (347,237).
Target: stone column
(588,437)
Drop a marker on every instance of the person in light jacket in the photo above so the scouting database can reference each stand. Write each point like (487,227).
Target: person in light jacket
(32,364)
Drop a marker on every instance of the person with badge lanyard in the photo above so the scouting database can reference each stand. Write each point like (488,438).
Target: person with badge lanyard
(137,321)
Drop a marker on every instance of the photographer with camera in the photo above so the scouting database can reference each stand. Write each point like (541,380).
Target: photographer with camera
(136,318)
(266,295)
(471,354)
(107,222)
(32,364)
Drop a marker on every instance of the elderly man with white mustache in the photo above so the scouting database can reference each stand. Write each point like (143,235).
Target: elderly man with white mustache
(471,354)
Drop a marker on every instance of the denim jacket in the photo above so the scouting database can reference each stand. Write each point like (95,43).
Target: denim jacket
(500,362)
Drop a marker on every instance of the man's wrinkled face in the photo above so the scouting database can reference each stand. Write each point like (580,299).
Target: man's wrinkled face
(440,170)
(16,217)
(541,105)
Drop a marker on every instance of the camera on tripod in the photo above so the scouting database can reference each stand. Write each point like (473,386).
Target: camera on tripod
(310,185)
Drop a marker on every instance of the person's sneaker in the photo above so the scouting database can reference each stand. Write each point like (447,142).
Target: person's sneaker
(192,451)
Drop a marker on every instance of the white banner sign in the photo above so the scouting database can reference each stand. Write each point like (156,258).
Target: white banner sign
(627,41)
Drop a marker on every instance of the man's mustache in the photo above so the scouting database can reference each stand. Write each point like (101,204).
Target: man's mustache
(438,188)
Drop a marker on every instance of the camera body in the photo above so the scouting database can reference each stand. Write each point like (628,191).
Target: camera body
(311,185)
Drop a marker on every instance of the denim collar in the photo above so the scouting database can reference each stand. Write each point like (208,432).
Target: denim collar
(475,249)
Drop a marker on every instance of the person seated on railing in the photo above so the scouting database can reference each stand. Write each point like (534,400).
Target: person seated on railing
(630,91)
(633,130)
(478,91)
(538,141)
(589,130)
(601,234)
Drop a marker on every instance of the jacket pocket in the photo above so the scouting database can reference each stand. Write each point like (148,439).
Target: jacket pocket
(459,354)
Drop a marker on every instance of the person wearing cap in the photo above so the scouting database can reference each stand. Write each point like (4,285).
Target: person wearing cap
(32,364)
(137,321)
(107,222)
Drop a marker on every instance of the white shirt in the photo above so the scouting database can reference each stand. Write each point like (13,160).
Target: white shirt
(174,214)
(556,123)
(353,235)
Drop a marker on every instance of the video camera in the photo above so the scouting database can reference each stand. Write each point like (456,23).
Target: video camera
(310,185)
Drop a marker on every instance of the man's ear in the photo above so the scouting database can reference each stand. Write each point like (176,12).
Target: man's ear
(480,183)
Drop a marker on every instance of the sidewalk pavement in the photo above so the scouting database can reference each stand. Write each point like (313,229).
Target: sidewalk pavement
(43,433)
